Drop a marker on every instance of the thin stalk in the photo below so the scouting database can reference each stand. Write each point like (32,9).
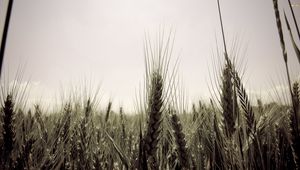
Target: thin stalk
(294,18)
(222,28)
(5,30)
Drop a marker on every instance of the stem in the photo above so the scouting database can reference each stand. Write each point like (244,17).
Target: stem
(294,18)
(5,30)
(222,28)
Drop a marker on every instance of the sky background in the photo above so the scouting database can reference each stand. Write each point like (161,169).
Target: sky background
(61,43)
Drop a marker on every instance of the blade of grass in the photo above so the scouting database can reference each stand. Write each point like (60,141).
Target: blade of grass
(121,155)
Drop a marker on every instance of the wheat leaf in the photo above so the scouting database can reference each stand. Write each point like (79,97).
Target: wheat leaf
(123,158)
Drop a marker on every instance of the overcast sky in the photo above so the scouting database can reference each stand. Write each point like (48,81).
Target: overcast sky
(63,42)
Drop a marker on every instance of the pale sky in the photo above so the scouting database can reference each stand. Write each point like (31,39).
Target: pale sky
(62,42)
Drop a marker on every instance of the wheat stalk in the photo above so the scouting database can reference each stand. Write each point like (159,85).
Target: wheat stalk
(284,53)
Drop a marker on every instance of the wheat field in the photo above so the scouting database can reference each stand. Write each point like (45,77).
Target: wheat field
(229,132)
